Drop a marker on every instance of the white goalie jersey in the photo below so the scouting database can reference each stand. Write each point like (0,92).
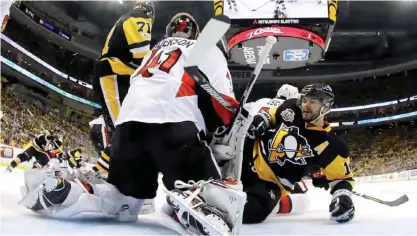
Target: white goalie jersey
(161,91)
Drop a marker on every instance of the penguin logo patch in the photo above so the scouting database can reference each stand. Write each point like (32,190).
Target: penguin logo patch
(289,145)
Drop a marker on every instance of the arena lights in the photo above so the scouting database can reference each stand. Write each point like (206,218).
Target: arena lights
(374,105)
(40,61)
(390,118)
(46,84)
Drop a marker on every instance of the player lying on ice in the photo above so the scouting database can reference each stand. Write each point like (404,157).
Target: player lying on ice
(298,201)
(161,128)
(286,143)
(43,147)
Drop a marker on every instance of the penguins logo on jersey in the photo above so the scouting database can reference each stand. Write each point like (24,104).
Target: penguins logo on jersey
(289,145)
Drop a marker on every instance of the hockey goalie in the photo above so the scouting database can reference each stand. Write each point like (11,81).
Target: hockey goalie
(161,127)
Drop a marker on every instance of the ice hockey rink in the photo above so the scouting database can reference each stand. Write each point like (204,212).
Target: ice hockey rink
(371,218)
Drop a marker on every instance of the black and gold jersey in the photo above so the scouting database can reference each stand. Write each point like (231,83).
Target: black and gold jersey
(47,143)
(74,158)
(129,39)
(126,45)
(103,161)
(286,154)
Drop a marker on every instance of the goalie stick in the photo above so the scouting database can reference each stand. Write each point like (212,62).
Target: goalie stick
(399,201)
(237,133)
(270,41)
(211,34)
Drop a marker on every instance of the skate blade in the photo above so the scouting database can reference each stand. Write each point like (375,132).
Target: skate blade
(174,225)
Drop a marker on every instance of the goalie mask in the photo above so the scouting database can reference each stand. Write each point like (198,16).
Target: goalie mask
(183,25)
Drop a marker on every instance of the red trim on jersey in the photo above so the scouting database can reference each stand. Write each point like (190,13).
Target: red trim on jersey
(187,87)
(106,136)
(87,186)
(266,109)
(222,112)
(304,185)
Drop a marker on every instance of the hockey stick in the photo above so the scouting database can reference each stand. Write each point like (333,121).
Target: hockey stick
(76,179)
(211,34)
(240,122)
(270,41)
(399,201)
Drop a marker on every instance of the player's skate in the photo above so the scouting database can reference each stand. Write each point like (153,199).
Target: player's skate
(9,169)
(213,208)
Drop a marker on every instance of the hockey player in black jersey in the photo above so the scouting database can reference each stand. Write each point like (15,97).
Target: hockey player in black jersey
(293,141)
(100,138)
(126,45)
(43,147)
(73,157)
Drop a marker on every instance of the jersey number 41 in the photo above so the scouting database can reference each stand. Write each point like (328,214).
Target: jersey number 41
(154,61)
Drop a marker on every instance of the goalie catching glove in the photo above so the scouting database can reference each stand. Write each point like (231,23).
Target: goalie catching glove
(341,208)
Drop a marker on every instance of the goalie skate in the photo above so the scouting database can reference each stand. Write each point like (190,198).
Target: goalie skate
(201,219)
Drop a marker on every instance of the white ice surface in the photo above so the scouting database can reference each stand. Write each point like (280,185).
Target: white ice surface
(371,218)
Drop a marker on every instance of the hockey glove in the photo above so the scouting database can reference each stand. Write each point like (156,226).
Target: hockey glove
(341,208)
(260,124)
(219,134)
(300,187)
(319,180)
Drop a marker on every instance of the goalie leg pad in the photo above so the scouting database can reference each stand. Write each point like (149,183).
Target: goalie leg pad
(228,198)
(107,202)
(220,212)
(52,192)
(64,199)
(148,206)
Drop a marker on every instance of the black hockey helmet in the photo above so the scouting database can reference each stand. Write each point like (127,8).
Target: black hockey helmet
(57,143)
(54,132)
(321,91)
(183,25)
(146,6)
